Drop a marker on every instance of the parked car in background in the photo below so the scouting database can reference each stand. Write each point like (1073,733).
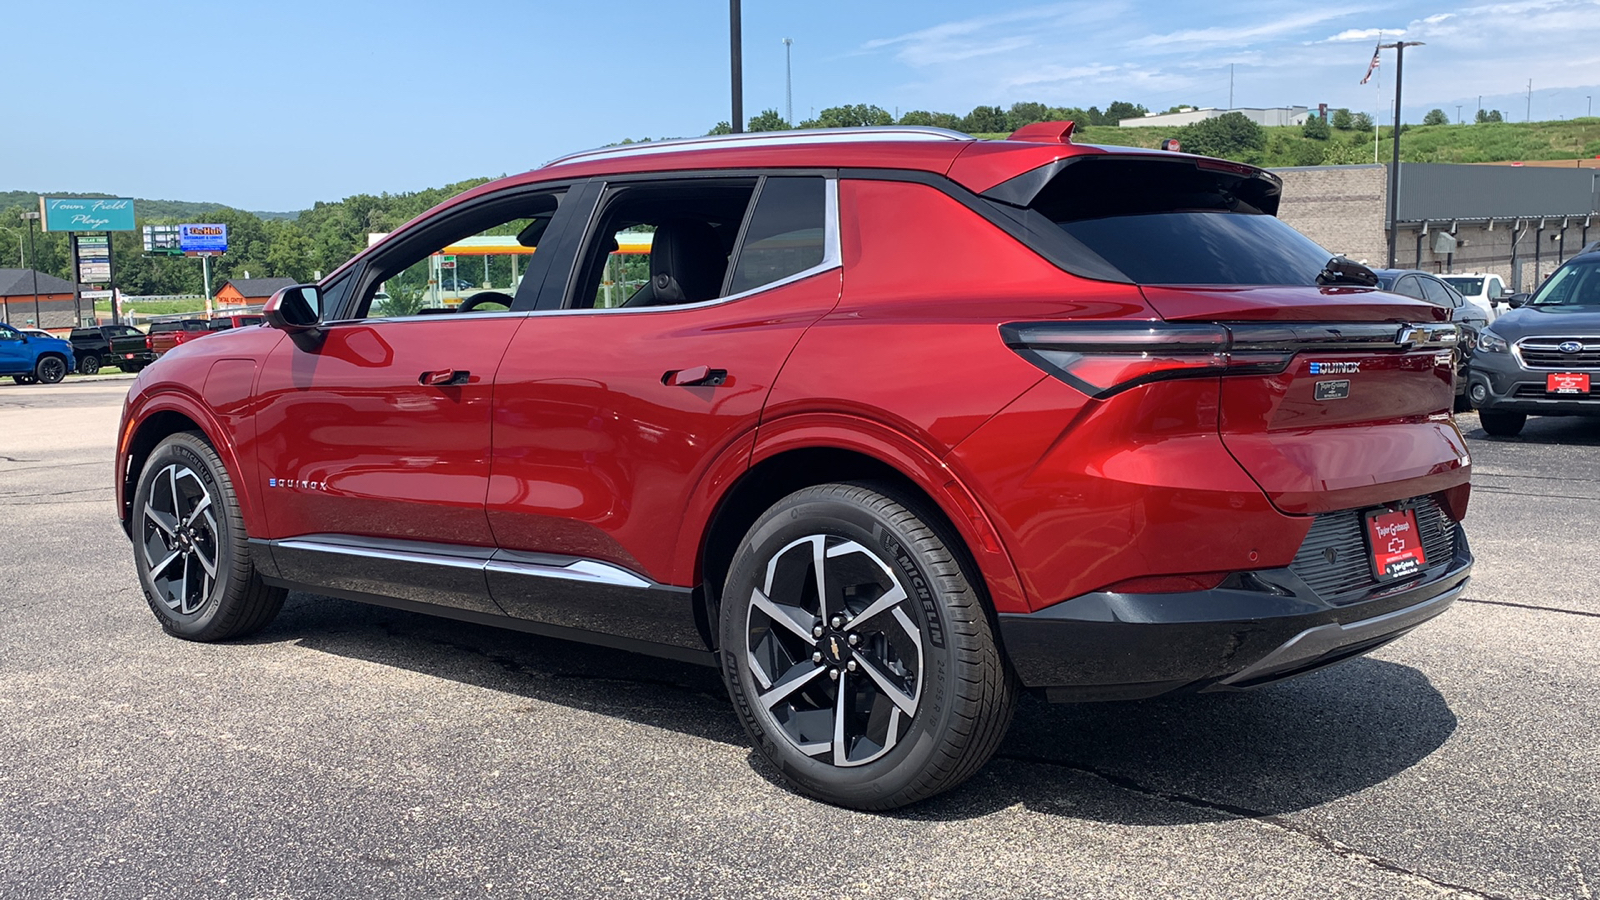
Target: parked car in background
(1468,317)
(92,345)
(163,336)
(1542,358)
(1123,434)
(223,323)
(36,332)
(1485,290)
(29,358)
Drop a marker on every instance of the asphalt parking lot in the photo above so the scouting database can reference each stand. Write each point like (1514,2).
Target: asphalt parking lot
(356,751)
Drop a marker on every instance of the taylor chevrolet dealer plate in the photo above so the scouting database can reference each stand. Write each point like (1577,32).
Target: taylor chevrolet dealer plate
(1566,383)
(1396,544)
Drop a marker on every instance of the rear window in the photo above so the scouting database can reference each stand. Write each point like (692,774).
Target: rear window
(1173,222)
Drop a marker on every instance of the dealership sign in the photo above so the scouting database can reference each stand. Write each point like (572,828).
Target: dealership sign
(203,238)
(86,213)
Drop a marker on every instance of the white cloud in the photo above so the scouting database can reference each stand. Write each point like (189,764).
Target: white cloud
(1232,35)
(1362,35)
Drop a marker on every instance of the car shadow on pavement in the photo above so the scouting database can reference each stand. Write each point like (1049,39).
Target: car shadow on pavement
(1174,760)
(1575,431)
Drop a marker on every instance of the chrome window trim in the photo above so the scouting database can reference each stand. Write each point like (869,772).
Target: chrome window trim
(832,258)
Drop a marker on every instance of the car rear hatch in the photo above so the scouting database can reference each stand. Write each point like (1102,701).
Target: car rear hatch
(1334,395)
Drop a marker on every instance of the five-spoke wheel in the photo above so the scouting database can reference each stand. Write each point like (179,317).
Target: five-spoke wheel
(856,648)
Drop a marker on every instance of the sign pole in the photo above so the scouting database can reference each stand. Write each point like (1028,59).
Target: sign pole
(205,272)
(77,286)
(111,266)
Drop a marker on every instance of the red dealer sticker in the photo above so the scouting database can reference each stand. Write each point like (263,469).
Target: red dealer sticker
(1566,383)
(1396,544)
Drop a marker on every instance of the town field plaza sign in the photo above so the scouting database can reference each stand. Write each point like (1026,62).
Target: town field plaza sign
(86,213)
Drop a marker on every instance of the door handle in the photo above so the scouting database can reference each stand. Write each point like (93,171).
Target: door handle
(698,376)
(445,377)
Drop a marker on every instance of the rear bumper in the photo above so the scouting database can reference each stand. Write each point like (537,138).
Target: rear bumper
(1256,629)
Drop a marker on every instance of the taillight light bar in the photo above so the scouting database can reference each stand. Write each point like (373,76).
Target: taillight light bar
(1106,358)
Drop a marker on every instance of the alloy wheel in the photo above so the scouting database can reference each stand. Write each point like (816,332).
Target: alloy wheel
(181,542)
(51,369)
(836,650)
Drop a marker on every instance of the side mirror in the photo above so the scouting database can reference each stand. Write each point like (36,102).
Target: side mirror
(1517,300)
(297,311)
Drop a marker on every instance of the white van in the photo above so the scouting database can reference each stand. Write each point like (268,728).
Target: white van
(1482,289)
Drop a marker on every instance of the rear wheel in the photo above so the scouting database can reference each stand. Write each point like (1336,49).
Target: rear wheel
(858,652)
(191,549)
(89,365)
(50,369)
(24,379)
(1502,424)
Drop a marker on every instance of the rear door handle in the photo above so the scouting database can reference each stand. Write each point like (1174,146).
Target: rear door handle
(445,377)
(699,376)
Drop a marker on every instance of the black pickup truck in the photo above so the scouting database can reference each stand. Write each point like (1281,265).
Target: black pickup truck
(96,346)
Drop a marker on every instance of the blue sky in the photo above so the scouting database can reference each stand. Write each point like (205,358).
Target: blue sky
(275,105)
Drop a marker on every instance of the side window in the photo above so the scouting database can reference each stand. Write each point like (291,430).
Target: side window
(7,333)
(1437,294)
(661,243)
(463,262)
(1408,286)
(786,234)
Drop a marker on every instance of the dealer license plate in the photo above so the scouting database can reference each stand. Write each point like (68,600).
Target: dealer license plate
(1396,544)
(1567,383)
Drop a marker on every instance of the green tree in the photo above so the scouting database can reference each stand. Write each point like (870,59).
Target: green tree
(1436,117)
(927,119)
(769,120)
(1229,135)
(1021,114)
(1316,128)
(721,128)
(1122,109)
(860,115)
(1488,115)
(1342,120)
(984,120)
(1362,122)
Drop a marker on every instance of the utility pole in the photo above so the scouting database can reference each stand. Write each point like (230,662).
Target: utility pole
(1230,85)
(1528,116)
(736,57)
(788,82)
(33,254)
(1394,166)
(1458,114)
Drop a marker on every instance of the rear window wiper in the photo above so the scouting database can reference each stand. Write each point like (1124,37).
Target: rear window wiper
(1343,270)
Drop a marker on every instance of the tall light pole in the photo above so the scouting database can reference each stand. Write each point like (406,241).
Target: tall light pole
(1528,116)
(33,254)
(788,82)
(736,57)
(1394,167)
(1458,114)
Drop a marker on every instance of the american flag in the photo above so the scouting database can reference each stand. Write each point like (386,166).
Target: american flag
(1372,66)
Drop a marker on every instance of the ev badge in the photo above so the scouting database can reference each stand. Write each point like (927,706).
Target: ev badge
(1570,346)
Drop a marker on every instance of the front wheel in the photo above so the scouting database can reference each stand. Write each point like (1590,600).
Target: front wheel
(857,650)
(50,369)
(190,547)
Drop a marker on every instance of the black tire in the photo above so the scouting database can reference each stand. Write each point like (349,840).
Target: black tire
(1502,424)
(89,365)
(928,695)
(127,366)
(177,535)
(24,379)
(50,369)
(1462,404)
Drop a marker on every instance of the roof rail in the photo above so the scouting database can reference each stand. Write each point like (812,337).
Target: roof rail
(770,139)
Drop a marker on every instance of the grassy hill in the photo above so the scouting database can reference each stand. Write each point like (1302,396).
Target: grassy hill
(1490,142)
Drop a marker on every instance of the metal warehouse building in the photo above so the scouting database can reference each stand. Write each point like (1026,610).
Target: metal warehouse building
(1518,221)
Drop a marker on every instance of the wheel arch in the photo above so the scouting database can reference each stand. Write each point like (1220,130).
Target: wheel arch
(801,454)
(162,417)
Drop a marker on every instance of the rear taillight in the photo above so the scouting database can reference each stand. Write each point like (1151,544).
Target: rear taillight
(1106,358)
(149,343)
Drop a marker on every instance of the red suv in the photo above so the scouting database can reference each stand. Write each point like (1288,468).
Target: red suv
(887,424)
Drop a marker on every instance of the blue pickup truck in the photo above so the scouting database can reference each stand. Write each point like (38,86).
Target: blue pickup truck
(29,359)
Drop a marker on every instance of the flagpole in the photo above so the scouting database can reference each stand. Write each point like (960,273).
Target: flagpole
(1394,167)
